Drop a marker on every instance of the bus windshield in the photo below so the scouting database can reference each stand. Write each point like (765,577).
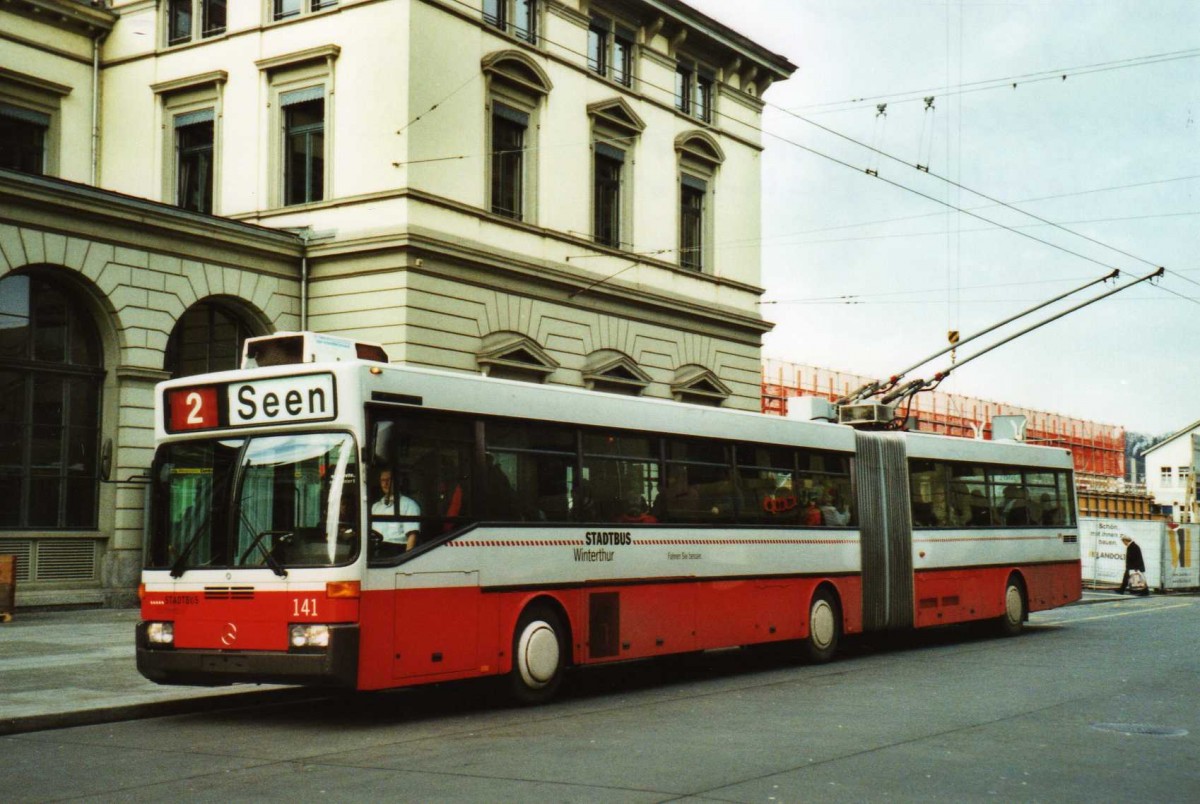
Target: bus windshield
(266,501)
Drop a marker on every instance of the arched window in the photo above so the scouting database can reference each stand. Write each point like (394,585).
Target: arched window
(208,337)
(51,371)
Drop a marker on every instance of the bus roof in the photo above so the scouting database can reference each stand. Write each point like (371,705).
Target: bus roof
(399,386)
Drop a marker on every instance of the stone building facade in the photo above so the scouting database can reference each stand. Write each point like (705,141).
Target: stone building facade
(560,191)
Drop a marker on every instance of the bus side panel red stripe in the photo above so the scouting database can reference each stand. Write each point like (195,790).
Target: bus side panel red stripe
(439,634)
(960,595)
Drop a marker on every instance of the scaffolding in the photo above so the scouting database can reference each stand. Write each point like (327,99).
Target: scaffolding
(1098,449)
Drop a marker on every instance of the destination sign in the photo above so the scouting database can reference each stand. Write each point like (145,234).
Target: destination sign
(280,400)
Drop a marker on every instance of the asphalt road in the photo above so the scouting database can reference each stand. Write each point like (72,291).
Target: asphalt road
(1092,703)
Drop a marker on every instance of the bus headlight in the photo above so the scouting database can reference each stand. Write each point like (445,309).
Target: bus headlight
(309,636)
(160,633)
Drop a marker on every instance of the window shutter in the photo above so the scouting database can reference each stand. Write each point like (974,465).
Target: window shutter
(27,115)
(510,114)
(302,95)
(192,118)
(609,152)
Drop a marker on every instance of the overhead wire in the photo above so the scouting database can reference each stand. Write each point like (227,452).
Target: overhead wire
(1007,82)
(898,185)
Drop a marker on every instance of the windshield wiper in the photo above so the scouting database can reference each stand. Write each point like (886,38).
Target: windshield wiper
(178,568)
(272,562)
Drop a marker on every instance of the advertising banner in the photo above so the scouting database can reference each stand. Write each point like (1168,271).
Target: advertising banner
(1103,549)
(1169,552)
(1181,570)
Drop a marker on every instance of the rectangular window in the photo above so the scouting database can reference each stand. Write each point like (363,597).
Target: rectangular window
(622,57)
(304,146)
(194,161)
(694,90)
(179,22)
(691,222)
(525,20)
(946,494)
(609,163)
(530,472)
(288,8)
(214,17)
(699,485)
(182,16)
(23,137)
(598,46)
(610,50)
(683,89)
(702,98)
(285,9)
(518,17)
(494,13)
(620,478)
(508,160)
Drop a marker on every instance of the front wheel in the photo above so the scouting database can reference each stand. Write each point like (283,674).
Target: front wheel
(824,628)
(538,656)
(1012,622)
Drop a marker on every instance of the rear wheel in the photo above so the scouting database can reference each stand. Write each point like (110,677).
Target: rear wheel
(1012,622)
(539,656)
(824,628)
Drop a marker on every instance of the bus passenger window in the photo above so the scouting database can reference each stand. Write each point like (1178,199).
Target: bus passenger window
(928,481)
(620,476)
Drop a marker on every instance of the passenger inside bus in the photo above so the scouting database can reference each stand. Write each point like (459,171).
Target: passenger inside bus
(1016,507)
(636,510)
(833,512)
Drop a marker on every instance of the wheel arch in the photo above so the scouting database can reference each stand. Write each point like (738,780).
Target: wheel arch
(548,601)
(1015,574)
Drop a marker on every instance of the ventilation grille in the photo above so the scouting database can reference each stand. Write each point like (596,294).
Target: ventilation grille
(229,593)
(64,560)
(52,559)
(23,550)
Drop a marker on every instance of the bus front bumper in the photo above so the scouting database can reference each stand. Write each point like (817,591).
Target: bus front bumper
(335,666)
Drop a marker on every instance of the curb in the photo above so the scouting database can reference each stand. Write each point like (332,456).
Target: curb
(148,709)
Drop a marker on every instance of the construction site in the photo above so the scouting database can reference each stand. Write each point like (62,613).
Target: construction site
(1098,449)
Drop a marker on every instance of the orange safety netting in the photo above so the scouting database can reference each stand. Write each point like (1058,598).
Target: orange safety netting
(1098,449)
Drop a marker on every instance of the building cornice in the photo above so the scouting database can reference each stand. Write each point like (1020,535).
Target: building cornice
(190,82)
(105,216)
(34,82)
(576,241)
(68,15)
(436,253)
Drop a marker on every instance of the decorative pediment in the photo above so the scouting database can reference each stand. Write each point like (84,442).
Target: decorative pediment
(618,114)
(613,371)
(517,68)
(513,356)
(698,385)
(700,145)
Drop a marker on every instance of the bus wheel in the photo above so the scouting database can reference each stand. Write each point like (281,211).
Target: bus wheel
(824,628)
(1012,622)
(538,656)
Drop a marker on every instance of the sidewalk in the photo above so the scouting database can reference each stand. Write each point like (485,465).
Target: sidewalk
(71,668)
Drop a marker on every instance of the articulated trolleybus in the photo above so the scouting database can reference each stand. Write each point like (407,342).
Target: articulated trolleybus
(322,517)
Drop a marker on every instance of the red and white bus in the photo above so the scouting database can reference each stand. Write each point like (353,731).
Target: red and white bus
(531,528)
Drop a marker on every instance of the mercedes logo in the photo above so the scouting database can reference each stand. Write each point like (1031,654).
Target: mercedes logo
(229,635)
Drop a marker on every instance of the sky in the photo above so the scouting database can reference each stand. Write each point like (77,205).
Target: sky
(868,274)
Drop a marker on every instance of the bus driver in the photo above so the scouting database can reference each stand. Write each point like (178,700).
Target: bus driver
(400,535)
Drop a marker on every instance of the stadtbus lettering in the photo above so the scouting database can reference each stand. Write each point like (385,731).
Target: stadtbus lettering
(606,537)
